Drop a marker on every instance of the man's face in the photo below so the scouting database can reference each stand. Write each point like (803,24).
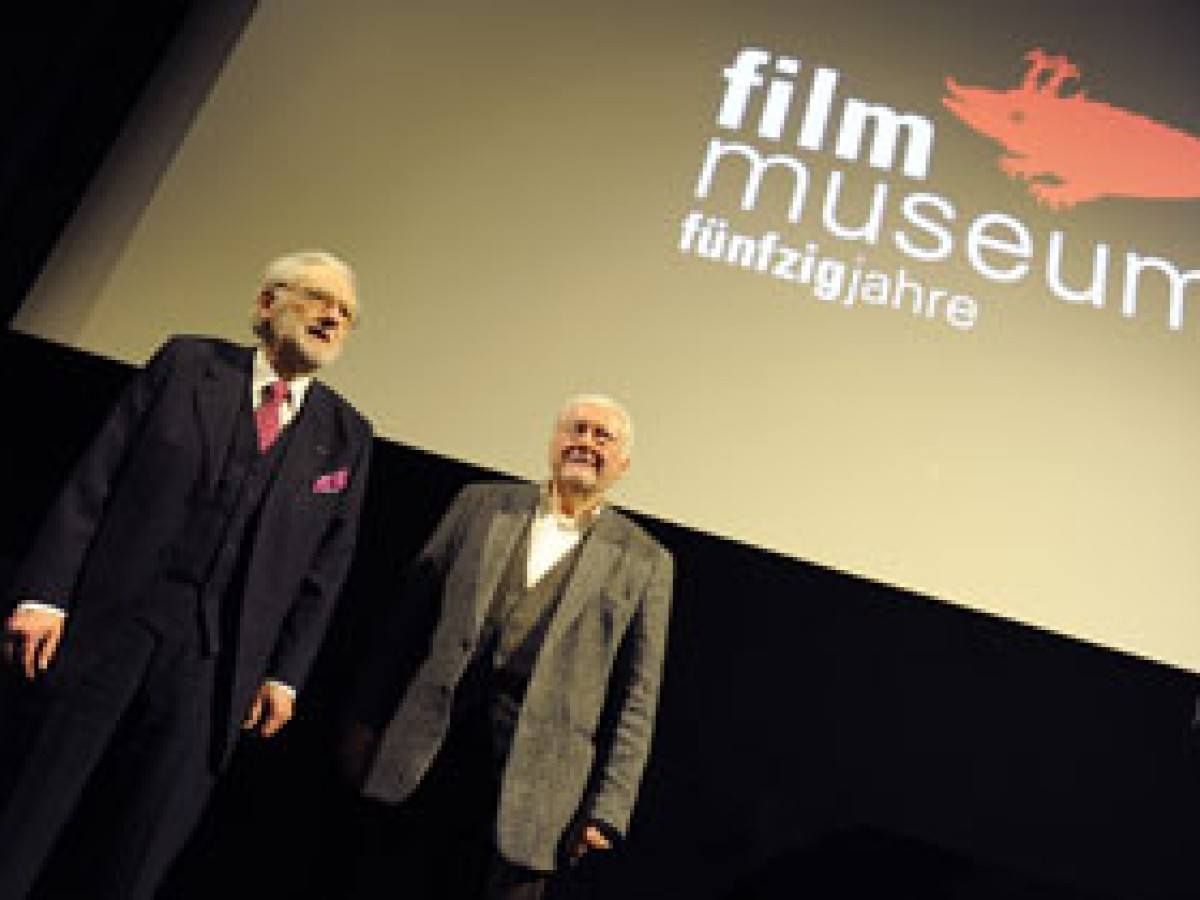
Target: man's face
(309,317)
(588,450)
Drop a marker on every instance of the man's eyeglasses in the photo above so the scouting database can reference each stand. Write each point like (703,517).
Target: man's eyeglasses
(321,298)
(580,428)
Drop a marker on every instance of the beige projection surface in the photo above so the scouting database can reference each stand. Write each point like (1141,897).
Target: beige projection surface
(531,195)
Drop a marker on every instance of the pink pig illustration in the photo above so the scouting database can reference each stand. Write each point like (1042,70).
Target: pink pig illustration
(1071,149)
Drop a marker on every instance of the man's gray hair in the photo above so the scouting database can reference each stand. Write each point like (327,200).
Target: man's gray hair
(608,403)
(284,269)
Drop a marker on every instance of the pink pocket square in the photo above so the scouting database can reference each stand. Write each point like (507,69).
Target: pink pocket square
(332,482)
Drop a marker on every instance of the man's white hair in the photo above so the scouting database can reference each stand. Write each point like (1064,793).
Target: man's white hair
(607,402)
(285,269)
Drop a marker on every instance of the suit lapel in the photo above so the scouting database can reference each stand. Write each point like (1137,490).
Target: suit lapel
(312,431)
(503,532)
(304,451)
(305,448)
(218,402)
(601,550)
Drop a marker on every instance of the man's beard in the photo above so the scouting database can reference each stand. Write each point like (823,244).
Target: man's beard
(297,346)
(579,481)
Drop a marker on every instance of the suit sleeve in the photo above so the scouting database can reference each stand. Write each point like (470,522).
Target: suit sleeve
(51,568)
(635,688)
(409,617)
(302,630)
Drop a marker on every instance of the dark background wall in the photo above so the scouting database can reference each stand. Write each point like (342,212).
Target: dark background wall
(820,735)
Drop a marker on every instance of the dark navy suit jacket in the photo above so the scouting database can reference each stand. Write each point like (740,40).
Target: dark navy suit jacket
(114,529)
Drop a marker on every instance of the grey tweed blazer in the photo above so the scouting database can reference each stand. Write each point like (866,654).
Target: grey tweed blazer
(583,734)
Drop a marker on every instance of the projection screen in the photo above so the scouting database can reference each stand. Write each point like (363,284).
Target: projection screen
(905,290)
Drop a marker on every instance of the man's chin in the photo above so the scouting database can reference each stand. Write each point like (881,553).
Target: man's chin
(578,481)
(326,358)
(317,356)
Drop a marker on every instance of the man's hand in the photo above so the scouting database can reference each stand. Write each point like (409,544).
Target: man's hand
(589,838)
(272,708)
(31,637)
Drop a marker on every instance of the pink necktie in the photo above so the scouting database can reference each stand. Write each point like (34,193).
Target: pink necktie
(267,415)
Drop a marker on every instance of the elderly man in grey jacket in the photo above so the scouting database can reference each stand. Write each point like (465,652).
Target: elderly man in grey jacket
(523,722)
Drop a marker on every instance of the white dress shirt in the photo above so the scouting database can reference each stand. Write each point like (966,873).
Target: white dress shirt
(552,536)
(263,376)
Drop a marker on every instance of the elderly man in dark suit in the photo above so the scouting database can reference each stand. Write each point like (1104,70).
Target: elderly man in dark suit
(522,725)
(182,582)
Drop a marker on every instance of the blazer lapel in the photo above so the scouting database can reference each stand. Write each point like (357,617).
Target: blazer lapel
(304,452)
(218,404)
(599,554)
(503,532)
(308,444)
